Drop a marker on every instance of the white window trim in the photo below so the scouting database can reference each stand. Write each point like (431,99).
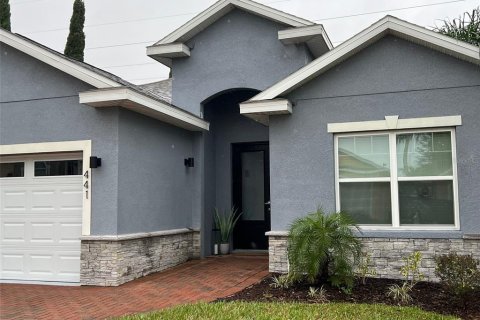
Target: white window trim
(85,146)
(394,123)
(393,179)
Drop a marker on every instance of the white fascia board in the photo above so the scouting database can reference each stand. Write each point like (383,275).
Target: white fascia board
(222,7)
(171,50)
(71,68)
(382,27)
(140,103)
(268,107)
(303,34)
(393,123)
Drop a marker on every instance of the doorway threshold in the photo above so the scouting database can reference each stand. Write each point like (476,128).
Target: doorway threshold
(253,252)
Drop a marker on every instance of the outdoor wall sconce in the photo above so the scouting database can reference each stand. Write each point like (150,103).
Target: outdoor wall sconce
(189,162)
(95,162)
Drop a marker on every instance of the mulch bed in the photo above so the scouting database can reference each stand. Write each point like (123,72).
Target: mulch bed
(427,296)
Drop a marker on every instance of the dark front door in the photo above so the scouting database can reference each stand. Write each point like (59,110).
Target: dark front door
(251,194)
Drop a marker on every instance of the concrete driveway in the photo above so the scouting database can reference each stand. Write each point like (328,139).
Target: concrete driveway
(196,280)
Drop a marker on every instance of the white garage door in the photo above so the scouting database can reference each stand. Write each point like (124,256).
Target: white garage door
(40,218)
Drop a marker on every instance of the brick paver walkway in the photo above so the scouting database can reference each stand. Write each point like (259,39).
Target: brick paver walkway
(196,280)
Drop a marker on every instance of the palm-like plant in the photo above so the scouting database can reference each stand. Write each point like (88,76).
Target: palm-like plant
(225,223)
(324,246)
(465,28)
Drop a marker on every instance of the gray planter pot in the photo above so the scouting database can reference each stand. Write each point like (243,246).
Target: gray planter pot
(224,248)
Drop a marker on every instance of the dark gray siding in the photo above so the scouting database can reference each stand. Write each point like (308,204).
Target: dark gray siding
(391,77)
(155,189)
(47,110)
(240,50)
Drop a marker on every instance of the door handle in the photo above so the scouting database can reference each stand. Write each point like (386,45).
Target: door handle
(267,203)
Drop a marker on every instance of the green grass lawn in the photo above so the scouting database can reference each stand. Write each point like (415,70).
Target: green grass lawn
(260,311)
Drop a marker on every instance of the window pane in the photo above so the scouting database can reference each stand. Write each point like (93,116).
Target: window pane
(424,154)
(367,202)
(253,198)
(58,168)
(426,202)
(363,156)
(12,170)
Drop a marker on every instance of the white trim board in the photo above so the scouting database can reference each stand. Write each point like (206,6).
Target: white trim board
(394,123)
(164,53)
(56,61)
(222,7)
(85,146)
(386,25)
(140,103)
(268,107)
(315,37)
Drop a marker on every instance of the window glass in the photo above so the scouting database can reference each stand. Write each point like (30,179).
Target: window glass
(12,170)
(58,168)
(367,202)
(424,154)
(253,186)
(426,202)
(363,156)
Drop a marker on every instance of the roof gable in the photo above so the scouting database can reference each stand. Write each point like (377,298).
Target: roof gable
(385,26)
(82,71)
(222,7)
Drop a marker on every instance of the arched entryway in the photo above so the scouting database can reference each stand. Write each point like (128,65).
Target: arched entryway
(236,171)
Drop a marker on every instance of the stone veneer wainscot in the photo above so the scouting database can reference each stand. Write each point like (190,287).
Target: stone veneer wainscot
(386,253)
(114,260)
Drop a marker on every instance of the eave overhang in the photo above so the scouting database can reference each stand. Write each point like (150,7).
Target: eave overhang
(137,102)
(261,110)
(314,37)
(164,53)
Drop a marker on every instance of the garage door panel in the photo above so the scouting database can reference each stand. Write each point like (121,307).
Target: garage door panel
(13,199)
(12,264)
(13,232)
(41,225)
(41,264)
(42,232)
(69,232)
(68,264)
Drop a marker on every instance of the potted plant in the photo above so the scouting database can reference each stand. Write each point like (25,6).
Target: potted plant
(225,223)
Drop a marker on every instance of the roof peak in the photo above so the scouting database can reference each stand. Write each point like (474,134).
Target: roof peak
(221,8)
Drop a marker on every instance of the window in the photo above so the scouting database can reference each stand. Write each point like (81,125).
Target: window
(398,179)
(12,170)
(58,168)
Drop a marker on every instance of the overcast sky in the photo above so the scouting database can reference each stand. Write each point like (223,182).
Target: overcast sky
(117,31)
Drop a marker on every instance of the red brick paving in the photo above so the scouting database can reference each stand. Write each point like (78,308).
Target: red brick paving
(196,280)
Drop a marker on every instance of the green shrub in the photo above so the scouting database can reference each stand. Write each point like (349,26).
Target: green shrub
(281,282)
(400,294)
(324,246)
(411,272)
(460,274)
(364,269)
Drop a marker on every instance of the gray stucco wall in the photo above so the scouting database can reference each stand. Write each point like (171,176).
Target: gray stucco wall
(366,87)
(56,115)
(240,50)
(155,189)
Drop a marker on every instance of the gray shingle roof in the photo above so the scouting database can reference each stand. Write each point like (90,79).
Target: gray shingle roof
(162,89)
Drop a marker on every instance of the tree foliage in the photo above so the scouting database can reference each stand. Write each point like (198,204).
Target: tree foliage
(76,38)
(5,15)
(324,246)
(465,28)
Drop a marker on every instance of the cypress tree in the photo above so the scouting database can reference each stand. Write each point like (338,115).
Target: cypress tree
(76,38)
(5,15)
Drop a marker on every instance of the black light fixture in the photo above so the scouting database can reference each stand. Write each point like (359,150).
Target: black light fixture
(189,162)
(95,162)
